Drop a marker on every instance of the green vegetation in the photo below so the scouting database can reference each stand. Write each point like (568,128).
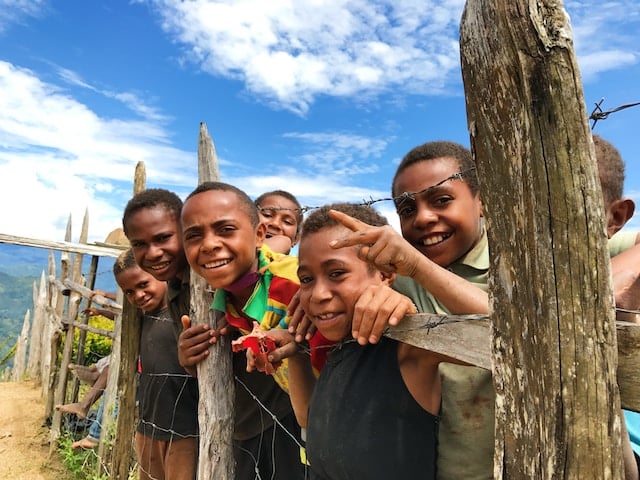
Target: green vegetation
(82,463)
(96,346)
(16,296)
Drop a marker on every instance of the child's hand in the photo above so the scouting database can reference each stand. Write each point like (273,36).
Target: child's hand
(287,345)
(378,307)
(279,243)
(381,246)
(194,343)
(299,323)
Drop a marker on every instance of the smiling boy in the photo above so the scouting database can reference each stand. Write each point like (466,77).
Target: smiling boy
(223,238)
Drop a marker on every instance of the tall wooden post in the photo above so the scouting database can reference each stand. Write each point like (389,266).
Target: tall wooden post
(215,373)
(116,444)
(61,374)
(554,337)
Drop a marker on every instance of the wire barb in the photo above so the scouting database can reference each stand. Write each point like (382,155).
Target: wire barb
(599,114)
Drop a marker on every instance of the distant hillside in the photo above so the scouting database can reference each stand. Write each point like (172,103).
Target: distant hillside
(19,267)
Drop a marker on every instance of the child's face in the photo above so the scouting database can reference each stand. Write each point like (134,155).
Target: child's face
(154,235)
(219,240)
(280,216)
(444,222)
(331,281)
(142,290)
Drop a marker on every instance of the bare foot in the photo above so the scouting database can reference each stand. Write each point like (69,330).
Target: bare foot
(86,442)
(75,408)
(85,374)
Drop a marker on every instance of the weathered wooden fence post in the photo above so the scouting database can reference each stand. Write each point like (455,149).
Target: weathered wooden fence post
(72,314)
(34,362)
(215,373)
(554,337)
(20,358)
(116,444)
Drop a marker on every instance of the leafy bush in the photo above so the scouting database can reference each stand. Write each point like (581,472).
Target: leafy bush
(96,346)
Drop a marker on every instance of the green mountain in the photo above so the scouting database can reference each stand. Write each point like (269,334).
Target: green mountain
(20,266)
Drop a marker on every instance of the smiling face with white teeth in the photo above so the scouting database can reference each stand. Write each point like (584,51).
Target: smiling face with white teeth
(154,235)
(219,238)
(331,281)
(142,289)
(443,222)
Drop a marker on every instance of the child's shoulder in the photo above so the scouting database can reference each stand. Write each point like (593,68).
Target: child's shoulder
(278,264)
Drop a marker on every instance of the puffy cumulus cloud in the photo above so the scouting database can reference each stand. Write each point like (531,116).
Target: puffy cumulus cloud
(59,157)
(605,34)
(288,53)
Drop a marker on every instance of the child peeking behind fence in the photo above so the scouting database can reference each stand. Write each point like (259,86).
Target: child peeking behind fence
(167,433)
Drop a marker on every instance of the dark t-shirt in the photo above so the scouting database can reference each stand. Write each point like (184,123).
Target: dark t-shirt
(363,422)
(250,419)
(168,396)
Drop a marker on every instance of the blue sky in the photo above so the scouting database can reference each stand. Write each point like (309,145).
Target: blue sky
(321,98)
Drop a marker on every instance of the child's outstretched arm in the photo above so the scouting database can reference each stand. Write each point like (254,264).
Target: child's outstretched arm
(389,252)
(194,343)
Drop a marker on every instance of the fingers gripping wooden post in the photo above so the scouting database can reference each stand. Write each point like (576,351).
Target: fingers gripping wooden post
(554,337)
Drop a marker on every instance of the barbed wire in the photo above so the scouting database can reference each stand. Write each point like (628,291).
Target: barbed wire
(599,114)
(397,200)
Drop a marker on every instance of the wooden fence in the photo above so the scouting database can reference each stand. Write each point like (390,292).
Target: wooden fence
(526,112)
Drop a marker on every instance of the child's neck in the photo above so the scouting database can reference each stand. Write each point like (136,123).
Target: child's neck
(240,291)
(158,309)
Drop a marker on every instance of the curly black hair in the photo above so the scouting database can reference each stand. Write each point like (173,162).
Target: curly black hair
(152,197)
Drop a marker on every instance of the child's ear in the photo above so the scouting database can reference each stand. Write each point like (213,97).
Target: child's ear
(295,240)
(387,277)
(619,213)
(261,234)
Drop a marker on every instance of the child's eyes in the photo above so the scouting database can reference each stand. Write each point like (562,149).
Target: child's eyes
(227,230)
(335,274)
(190,235)
(440,201)
(304,279)
(406,211)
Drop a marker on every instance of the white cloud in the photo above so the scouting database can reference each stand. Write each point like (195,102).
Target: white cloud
(15,11)
(338,154)
(605,34)
(57,156)
(288,53)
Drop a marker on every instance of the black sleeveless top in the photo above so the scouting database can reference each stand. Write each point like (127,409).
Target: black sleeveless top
(363,422)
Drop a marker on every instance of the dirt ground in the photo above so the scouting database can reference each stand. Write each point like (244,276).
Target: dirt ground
(24,447)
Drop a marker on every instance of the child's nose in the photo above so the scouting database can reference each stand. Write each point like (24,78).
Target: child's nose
(210,242)
(320,292)
(275,224)
(425,216)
